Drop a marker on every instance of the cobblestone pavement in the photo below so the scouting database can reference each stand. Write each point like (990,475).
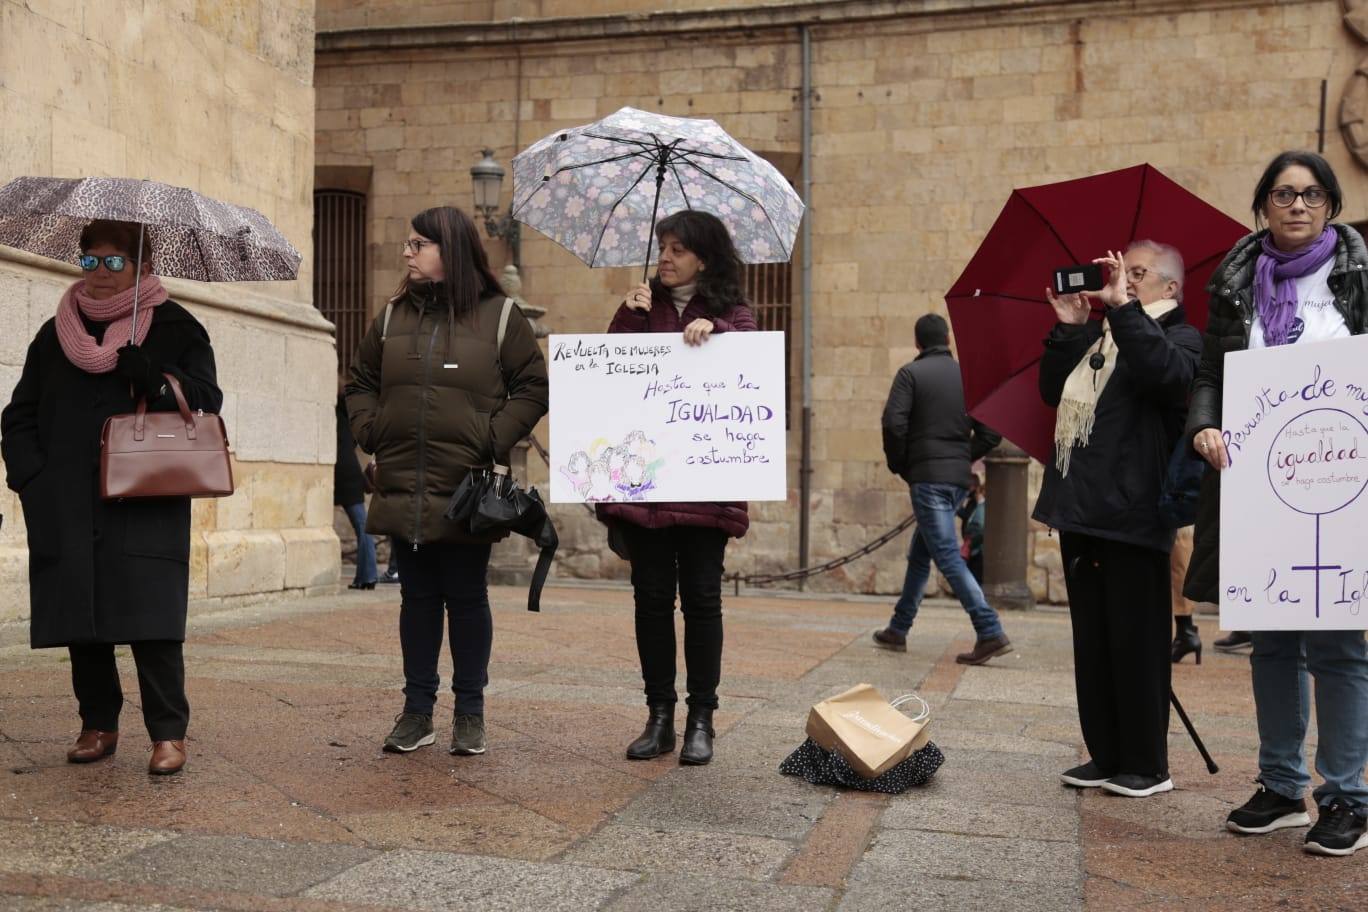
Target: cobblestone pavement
(288,802)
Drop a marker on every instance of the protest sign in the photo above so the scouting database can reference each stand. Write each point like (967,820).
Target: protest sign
(1293,513)
(644,417)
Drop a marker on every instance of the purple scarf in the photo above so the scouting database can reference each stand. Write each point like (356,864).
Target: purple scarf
(1275,287)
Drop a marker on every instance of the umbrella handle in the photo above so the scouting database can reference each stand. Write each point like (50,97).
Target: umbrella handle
(661,162)
(137,283)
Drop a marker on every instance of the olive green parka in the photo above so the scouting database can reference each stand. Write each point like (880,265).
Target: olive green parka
(431,398)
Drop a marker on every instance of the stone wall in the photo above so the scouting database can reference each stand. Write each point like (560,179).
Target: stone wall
(924,121)
(218,97)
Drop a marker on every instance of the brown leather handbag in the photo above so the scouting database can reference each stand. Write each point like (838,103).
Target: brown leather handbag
(165,454)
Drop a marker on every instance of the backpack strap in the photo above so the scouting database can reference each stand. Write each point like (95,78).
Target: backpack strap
(384,325)
(503,323)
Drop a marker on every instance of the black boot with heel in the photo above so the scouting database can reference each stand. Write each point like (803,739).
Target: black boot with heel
(1186,639)
(698,737)
(659,735)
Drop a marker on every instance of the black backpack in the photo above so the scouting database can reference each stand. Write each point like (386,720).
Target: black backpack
(1182,483)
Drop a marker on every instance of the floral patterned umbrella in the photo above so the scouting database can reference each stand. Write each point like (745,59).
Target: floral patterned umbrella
(192,236)
(598,190)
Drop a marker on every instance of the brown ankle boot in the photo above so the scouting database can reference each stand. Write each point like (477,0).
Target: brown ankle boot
(167,757)
(93,745)
(985,650)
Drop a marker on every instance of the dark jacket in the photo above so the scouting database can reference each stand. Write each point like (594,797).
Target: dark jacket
(100,571)
(429,423)
(927,435)
(1230,319)
(731,517)
(348,485)
(1112,489)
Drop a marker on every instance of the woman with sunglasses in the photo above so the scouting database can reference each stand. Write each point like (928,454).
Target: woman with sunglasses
(1300,279)
(437,388)
(104,573)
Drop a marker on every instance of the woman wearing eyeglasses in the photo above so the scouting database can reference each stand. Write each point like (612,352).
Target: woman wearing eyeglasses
(102,572)
(1298,280)
(434,393)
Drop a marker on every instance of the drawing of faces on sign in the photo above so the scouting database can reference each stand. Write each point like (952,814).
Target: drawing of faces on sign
(600,481)
(1318,461)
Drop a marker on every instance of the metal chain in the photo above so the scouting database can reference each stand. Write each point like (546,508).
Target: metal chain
(763,579)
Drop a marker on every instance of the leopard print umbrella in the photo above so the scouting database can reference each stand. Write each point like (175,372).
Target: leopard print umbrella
(192,236)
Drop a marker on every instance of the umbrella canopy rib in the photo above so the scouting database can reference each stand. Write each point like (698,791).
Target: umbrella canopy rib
(618,202)
(1049,227)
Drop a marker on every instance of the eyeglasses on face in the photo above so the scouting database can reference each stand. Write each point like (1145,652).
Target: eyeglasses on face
(1313,197)
(1137,274)
(114,263)
(415,244)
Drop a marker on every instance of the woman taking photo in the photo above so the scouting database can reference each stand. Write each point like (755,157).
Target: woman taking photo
(1298,280)
(697,292)
(432,395)
(103,572)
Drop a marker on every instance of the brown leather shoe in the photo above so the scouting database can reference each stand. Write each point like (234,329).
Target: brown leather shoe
(889,638)
(167,757)
(93,745)
(985,650)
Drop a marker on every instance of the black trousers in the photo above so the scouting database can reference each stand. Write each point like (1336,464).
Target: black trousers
(444,584)
(690,559)
(1119,604)
(161,684)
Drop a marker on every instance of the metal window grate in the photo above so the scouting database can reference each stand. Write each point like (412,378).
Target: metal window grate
(339,266)
(769,288)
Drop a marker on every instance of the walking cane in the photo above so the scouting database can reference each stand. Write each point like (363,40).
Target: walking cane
(1187,723)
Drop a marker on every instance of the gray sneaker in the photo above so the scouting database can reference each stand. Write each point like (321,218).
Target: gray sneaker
(411,731)
(467,734)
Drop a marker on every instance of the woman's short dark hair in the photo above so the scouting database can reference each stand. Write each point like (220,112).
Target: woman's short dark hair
(1319,168)
(119,235)
(704,235)
(465,264)
(931,329)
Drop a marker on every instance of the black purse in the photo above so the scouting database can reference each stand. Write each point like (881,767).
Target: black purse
(489,500)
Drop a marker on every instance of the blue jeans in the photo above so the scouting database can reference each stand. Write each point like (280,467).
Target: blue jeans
(934,506)
(1338,662)
(365,545)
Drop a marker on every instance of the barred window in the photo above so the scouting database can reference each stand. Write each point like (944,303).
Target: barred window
(340,266)
(769,288)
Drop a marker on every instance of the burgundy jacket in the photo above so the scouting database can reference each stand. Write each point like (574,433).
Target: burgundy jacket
(730,517)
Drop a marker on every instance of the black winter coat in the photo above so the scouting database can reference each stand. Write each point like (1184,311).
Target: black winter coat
(100,571)
(1113,486)
(1228,326)
(348,484)
(927,435)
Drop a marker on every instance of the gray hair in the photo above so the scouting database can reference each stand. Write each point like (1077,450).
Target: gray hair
(1169,260)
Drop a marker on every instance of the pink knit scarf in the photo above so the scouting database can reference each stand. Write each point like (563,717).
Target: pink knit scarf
(80,347)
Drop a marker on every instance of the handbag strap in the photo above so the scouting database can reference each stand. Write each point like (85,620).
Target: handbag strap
(182,406)
(384,324)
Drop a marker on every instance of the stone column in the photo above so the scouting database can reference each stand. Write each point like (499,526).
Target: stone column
(1005,530)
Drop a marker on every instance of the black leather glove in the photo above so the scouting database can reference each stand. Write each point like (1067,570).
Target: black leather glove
(138,369)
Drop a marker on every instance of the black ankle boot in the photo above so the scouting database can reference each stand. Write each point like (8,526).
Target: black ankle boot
(698,737)
(1187,639)
(659,735)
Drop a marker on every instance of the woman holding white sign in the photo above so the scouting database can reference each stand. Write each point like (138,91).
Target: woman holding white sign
(1298,280)
(697,292)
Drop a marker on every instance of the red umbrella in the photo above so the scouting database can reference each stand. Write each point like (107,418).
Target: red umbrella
(998,307)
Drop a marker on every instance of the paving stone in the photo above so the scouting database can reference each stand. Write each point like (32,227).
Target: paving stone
(659,892)
(1013,685)
(899,894)
(441,881)
(783,809)
(913,854)
(69,848)
(974,818)
(639,848)
(60,904)
(228,863)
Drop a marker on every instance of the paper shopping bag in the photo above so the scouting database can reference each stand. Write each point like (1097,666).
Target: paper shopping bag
(866,730)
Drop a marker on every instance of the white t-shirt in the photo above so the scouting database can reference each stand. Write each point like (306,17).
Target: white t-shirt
(1317,317)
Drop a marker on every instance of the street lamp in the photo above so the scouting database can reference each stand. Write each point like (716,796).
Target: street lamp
(487,180)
